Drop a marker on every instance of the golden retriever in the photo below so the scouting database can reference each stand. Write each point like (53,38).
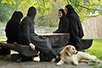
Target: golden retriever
(70,55)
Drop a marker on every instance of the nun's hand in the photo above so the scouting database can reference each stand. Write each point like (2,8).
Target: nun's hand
(32,46)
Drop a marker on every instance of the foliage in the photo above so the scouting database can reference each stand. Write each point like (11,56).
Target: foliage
(50,19)
(85,7)
(46,12)
(6,10)
(2,22)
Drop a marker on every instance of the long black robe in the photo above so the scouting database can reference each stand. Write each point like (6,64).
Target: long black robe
(12,30)
(27,35)
(12,27)
(75,27)
(76,31)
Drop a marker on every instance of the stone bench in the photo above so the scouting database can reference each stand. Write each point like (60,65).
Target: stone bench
(57,40)
(84,44)
(61,39)
(22,49)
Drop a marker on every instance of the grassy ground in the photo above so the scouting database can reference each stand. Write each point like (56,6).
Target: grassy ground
(95,49)
(2,37)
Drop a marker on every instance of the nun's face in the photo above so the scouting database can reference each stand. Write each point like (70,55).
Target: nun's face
(66,11)
(59,14)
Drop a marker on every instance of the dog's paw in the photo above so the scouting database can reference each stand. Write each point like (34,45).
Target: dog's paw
(75,63)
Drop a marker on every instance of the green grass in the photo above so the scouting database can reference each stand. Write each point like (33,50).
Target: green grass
(3,22)
(95,65)
(2,37)
(96,48)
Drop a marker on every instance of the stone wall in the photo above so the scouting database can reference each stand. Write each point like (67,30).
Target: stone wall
(38,30)
(93,27)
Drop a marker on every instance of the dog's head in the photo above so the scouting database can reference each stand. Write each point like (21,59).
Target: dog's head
(69,50)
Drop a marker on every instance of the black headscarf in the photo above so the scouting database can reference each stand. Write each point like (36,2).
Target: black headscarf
(17,15)
(63,13)
(32,12)
(70,10)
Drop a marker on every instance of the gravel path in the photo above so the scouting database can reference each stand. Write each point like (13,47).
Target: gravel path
(31,64)
(8,63)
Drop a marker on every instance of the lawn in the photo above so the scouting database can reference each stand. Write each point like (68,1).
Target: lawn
(2,37)
(96,48)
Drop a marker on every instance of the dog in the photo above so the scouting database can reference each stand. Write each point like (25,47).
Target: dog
(70,55)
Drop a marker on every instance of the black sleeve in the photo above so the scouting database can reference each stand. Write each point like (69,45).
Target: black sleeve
(57,31)
(26,28)
(64,25)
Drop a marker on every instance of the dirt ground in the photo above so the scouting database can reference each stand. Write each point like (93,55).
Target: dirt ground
(8,63)
(31,64)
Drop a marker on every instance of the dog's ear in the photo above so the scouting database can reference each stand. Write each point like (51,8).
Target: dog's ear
(68,47)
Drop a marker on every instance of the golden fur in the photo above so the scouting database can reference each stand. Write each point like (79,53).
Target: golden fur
(68,56)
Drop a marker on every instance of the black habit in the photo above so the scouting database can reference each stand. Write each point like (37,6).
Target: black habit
(63,24)
(12,27)
(12,30)
(27,35)
(75,28)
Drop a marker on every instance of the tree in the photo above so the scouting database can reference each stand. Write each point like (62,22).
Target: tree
(89,5)
(50,19)
(6,10)
(82,7)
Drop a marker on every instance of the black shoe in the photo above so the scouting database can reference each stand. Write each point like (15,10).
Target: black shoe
(4,51)
(57,59)
(43,57)
(16,57)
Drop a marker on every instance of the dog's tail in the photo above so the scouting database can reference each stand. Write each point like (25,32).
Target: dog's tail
(94,57)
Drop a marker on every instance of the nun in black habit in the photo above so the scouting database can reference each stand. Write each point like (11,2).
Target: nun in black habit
(27,36)
(75,27)
(12,30)
(12,27)
(63,23)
